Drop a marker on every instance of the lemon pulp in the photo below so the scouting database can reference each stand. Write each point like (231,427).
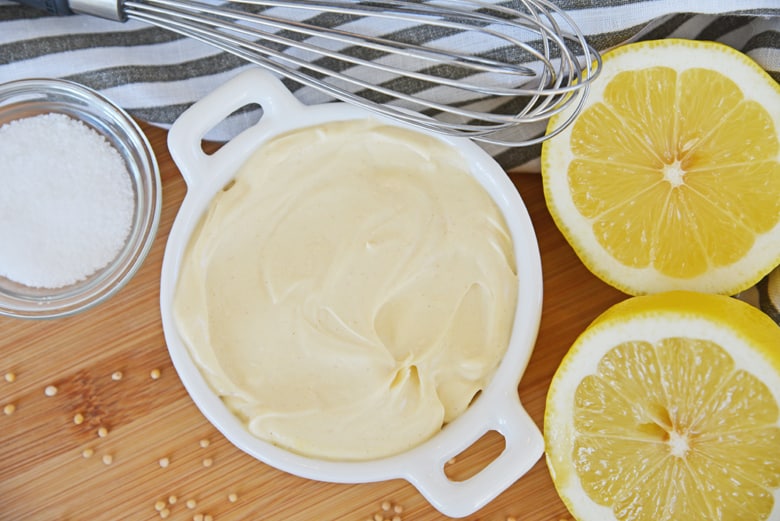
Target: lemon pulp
(673,430)
(667,407)
(671,181)
(669,178)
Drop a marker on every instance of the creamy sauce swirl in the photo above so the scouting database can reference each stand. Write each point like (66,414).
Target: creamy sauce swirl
(350,292)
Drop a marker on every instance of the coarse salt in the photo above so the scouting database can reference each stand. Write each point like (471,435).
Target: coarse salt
(67,201)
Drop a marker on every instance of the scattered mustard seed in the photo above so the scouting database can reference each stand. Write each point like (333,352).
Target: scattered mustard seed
(172,500)
(191,503)
(208,517)
(232,497)
(108,459)
(78,418)
(207,462)
(50,390)
(102,432)
(9,409)
(164,513)
(155,374)
(87,453)
(379,517)
(204,443)
(159,505)
(164,462)
(398,509)
(396,518)
(197,517)
(511,518)
(386,506)
(116,376)
(10,377)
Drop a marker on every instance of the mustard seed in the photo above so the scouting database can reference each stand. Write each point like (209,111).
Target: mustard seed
(87,453)
(232,497)
(9,409)
(379,517)
(164,462)
(50,390)
(159,505)
(208,517)
(172,500)
(511,518)
(396,518)
(207,462)
(116,376)
(386,506)
(204,443)
(164,513)
(197,517)
(78,418)
(102,432)
(108,459)
(398,509)
(191,503)
(155,374)
(10,377)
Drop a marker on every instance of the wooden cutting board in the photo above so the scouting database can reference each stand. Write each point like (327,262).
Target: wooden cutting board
(159,458)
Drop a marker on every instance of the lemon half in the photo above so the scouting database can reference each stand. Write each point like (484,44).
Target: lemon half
(666,408)
(670,176)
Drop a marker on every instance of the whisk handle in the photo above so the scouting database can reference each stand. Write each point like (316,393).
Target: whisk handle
(109,9)
(55,7)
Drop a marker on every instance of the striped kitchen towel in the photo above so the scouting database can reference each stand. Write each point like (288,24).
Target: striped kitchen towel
(156,74)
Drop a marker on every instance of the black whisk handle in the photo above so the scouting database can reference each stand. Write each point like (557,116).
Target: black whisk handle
(56,7)
(108,9)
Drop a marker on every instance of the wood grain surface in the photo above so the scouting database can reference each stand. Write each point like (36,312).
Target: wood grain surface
(55,465)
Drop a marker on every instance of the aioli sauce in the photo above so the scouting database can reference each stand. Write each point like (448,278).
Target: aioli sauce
(350,292)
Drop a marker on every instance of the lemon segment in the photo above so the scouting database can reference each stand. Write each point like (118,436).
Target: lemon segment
(669,178)
(666,408)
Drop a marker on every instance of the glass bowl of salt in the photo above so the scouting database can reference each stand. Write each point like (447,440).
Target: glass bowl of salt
(80,199)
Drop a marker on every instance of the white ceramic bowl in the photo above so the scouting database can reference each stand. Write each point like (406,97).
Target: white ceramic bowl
(498,408)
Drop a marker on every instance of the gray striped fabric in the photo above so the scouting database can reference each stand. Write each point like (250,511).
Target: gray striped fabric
(156,74)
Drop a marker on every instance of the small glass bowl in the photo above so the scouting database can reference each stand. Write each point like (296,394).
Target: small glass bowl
(31,97)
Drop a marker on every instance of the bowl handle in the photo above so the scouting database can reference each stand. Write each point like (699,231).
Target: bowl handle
(524,446)
(252,86)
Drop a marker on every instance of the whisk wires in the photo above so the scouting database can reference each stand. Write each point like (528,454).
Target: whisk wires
(461,67)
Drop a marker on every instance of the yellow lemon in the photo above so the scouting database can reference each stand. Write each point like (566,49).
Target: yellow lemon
(666,408)
(669,178)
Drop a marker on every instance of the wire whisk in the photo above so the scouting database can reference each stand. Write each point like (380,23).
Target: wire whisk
(469,68)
